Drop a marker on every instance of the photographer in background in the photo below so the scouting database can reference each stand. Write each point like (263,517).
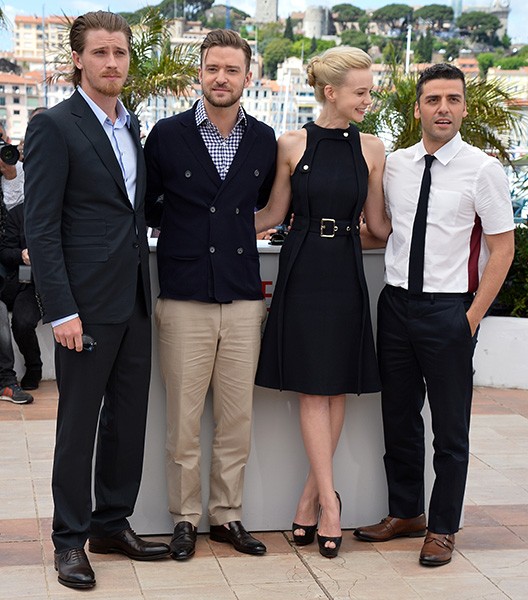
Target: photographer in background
(11,186)
(19,295)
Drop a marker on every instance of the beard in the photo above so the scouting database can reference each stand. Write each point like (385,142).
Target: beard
(223,102)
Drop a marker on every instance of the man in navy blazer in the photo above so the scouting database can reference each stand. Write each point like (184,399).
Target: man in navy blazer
(86,235)
(213,165)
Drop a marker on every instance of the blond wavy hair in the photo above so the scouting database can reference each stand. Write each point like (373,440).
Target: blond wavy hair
(331,67)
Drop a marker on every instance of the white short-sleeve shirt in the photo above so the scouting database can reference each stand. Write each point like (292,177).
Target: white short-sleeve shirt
(469,196)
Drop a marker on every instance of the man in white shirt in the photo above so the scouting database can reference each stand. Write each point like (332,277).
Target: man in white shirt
(427,329)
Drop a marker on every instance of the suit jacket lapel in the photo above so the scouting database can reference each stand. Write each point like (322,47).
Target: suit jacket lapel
(91,128)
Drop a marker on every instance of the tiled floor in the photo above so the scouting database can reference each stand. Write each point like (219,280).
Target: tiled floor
(490,562)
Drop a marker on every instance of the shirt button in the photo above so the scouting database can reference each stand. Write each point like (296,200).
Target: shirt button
(212,209)
(345,134)
(212,249)
(305,167)
(256,172)
(240,250)
(188,174)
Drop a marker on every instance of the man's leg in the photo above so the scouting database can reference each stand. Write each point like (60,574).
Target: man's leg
(188,338)
(402,401)
(26,315)
(446,353)
(122,422)
(233,383)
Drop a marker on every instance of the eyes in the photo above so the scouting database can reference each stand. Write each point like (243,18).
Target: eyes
(229,70)
(433,100)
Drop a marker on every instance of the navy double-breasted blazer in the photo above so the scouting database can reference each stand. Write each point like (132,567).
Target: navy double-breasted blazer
(207,246)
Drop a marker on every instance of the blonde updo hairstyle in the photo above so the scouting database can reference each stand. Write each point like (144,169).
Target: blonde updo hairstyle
(331,67)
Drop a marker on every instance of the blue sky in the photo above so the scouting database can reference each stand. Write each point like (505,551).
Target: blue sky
(517,21)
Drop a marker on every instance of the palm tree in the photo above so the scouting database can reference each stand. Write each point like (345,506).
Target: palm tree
(491,122)
(155,67)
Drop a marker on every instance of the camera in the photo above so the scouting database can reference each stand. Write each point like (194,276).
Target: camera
(8,153)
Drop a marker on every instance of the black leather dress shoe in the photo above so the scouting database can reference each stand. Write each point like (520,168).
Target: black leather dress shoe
(183,541)
(74,568)
(238,537)
(128,543)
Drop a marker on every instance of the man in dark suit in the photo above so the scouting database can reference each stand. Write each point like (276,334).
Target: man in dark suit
(86,235)
(213,165)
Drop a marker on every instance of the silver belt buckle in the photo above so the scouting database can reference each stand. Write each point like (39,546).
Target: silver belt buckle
(324,224)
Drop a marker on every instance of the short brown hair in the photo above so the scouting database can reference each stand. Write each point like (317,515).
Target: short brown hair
(225,37)
(94,21)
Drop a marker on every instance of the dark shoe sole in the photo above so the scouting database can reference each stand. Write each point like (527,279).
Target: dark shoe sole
(96,550)
(78,586)
(256,552)
(365,538)
(175,556)
(426,562)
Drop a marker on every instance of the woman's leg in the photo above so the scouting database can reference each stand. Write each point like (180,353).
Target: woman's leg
(321,424)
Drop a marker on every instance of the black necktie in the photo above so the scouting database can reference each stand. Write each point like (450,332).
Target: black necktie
(416,256)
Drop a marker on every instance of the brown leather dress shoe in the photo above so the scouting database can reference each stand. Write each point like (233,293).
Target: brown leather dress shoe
(238,537)
(183,542)
(128,543)
(392,527)
(437,549)
(74,568)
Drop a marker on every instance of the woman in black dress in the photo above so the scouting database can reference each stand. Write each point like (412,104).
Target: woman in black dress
(318,339)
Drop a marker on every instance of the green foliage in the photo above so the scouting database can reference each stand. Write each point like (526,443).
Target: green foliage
(490,123)
(276,51)
(358,39)
(485,60)
(347,13)
(288,30)
(155,67)
(423,49)
(511,62)
(392,14)
(436,14)
(481,26)
(513,297)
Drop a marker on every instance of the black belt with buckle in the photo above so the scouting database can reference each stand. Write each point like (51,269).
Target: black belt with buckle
(326,228)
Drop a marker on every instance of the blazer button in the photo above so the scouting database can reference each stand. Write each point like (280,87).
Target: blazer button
(240,250)
(187,174)
(212,249)
(135,245)
(212,209)
(237,211)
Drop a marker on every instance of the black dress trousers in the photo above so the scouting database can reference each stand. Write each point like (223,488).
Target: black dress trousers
(425,345)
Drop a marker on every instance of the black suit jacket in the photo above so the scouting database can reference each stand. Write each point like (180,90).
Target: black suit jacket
(207,245)
(84,237)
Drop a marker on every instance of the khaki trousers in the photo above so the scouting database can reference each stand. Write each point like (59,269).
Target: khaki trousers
(201,345)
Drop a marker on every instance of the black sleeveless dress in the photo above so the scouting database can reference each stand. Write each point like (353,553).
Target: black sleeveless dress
(318,338)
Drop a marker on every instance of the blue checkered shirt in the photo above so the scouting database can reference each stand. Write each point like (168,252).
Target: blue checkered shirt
(222,150)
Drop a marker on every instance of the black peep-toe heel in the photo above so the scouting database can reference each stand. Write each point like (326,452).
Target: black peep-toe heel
(322,540)
(309,534)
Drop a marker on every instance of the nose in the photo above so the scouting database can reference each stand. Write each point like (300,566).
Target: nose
(368,99)
(221,76)
(443,106)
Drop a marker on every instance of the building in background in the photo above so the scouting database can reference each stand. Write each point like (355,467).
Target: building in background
(266,11)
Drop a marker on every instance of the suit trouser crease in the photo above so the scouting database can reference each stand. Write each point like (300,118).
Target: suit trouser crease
(425,346)
(201,345)
(119,371)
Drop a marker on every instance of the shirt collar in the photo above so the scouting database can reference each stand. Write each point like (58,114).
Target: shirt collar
(123,116)
(444,154)
(202,118)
